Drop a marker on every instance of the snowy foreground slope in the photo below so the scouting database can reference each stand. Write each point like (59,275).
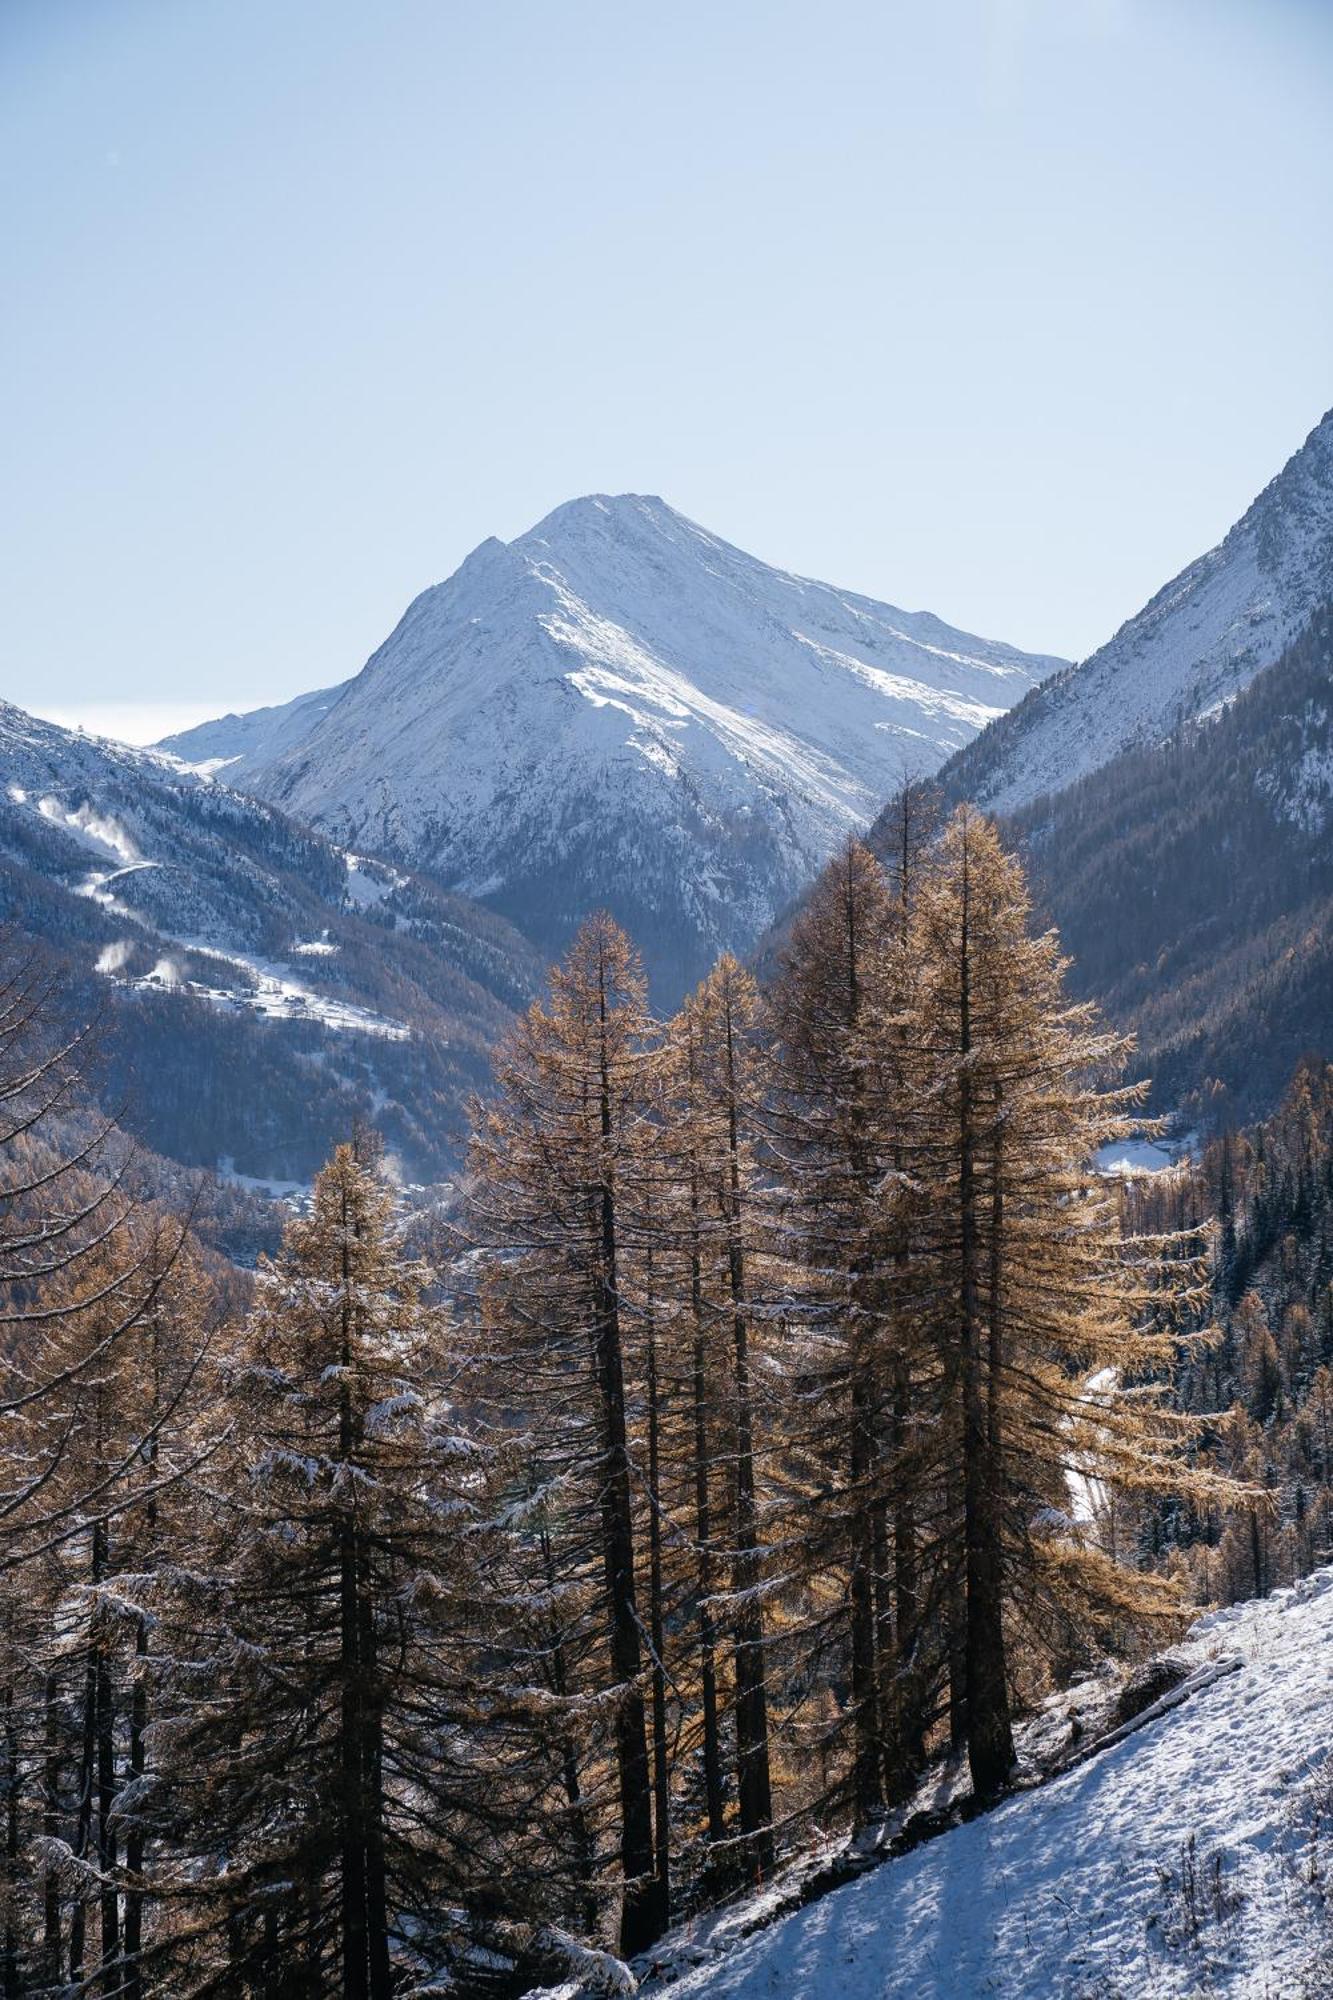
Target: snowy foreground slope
(620,708)
(1201,639)
(1193,1857)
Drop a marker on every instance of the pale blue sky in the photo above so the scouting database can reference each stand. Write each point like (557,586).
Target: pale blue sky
(1003,308)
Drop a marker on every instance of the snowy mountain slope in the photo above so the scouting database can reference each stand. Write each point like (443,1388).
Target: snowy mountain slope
(236,744)
(1192,1857)
(1200,640)
(619,708)
(266,988)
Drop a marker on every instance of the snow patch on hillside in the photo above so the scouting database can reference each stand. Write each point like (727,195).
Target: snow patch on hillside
(369,882)
(93,829)
(269,988)
(271,991)
(1304,793)
(1126,1159)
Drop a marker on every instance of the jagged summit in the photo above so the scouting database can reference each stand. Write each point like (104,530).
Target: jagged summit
(618,707)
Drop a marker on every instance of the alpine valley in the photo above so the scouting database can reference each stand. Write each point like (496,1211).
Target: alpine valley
(666,1230)
(349,896)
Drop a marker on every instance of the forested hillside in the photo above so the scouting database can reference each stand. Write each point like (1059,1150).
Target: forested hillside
(1264,1379)
(260,990)
(1184,1854)
(1187,1850)
(1192,883)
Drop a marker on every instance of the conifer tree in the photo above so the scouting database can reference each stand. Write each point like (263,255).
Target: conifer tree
(907,828)
(1051,1330)
(710,1146)
(331,1778)
(138,1446)
(835,1121)
(558,1167)
(696,1367)
(83,1269)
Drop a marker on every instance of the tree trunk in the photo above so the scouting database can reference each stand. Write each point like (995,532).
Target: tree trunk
(908,1735)
(51,1939)
(904,1724)
(569,1765)
(641,1917)
(84,1813)
(1257,1554)
(355,1912)
(867,1794)
(380,1973)
(353,1886)
(657,1628)
(9,1971)
(134,1843)
(753,1779)
(703,1538)
(989,1736)
(90,1755)
(109,1898)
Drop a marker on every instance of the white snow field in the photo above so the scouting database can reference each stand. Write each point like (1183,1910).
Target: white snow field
(1194,1857)
(1131,1157)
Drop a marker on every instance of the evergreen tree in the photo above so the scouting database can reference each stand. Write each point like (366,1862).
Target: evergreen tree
(1050,1328)
(558,1167)
(710,1144)
(85,1270)
(332,1778)
(836,1114)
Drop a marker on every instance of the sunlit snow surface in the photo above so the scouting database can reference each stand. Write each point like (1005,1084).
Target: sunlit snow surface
(291,1192)
(275,994)
(1071,1891)
(1129,1158)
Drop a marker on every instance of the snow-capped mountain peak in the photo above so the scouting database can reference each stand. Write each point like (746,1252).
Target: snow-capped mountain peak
(621,708)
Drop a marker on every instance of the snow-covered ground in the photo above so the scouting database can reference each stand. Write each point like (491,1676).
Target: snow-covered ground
(270,990)
(1128,1157)
(1194,1857)
(369,882)
(293,1193)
